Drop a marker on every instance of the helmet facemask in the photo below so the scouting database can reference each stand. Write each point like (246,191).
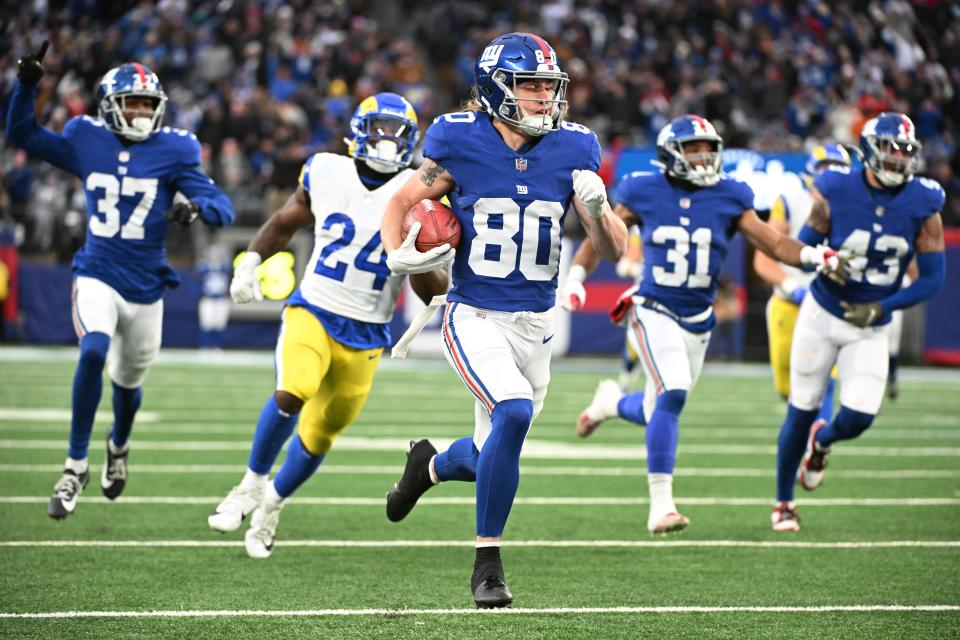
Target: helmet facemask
(142,124)
(702,169)
(384,142)
(893,161)
(522,112)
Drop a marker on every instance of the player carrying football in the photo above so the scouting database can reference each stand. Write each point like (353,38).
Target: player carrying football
(511,167)
(689,212)
(131,168)
(882,216)
(336,324)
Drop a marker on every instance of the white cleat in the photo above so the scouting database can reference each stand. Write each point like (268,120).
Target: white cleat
(669,523)
(814,464)
(239,503)
(263,531)
(784,517)
(602,407)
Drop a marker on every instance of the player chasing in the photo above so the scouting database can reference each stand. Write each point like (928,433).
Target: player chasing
(337,323)
(131,168)
(790,284)
(881,216)
(511,166)
(689,212)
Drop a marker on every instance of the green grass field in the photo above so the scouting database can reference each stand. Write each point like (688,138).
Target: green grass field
(878,555)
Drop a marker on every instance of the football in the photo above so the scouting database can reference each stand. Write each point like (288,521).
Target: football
(438,225)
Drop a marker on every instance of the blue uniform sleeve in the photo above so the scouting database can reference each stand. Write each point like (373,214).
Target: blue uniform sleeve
(23,131)
(932,269)
(625,193)
(435,145)
(593,162)
(216,209)
(304,179)
(743,195)
(823,182)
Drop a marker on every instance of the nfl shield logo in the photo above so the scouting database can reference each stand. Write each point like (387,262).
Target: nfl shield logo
(521,164)
(684,203)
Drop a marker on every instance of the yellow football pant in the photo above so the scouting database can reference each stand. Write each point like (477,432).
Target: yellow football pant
(781,318)
(332,379)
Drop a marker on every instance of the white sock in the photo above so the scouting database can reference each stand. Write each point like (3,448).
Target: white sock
(252,480)
(115,450)
(433,474)
(661,494)
(77,466)
(271,499)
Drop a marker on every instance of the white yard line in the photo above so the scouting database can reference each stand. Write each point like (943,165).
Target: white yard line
(528,470)
(538,501)
(625,544)
(532,448)
(253,613)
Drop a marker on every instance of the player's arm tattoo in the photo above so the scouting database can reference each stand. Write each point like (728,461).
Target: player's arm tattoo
(430,171)
(930,237)
(819,217)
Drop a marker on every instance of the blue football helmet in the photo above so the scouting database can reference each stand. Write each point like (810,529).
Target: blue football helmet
(825,155)
(131,80)
(890,148)
(706,170)
(507,62)
(383,132)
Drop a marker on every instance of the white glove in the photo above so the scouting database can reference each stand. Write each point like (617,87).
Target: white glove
(245,286)
(405,259)
(589,188)
(627,268)
(827,261)
(573,296)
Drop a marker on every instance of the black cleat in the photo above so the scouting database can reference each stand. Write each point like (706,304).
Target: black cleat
(414,482)
(114,476)
(489,589)
(65,493)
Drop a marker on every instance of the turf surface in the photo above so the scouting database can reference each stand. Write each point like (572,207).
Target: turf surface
(892,497)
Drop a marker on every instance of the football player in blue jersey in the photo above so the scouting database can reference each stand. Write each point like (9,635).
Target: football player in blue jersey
(788,215)
(881,216)
(689,212)
(131,168)
(337,323)
(511,167)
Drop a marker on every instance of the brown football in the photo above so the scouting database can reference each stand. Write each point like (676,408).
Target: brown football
(438,225)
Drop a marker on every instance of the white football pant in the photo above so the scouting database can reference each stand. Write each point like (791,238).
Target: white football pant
(134,329)
(820,339)
(499,355)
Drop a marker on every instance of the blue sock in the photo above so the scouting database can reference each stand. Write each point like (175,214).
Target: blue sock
(630,408)
(126,402)
(790,448)
(663,431)
(273,429)
(848,425)
(498,465)
(826,409)
(458,462)
(87,389)
(297,468)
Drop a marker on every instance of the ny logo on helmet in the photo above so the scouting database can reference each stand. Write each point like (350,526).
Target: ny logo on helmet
(490,57)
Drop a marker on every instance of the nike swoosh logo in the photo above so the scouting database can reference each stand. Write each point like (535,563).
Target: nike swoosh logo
(548,339)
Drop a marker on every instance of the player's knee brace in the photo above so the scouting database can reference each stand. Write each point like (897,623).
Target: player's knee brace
(847,425)
(93,350)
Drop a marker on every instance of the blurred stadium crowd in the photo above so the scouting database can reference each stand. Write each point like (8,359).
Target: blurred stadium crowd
(266,83)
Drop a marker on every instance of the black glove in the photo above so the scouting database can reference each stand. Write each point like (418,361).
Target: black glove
(862,314)
(183,212)
(29,67)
